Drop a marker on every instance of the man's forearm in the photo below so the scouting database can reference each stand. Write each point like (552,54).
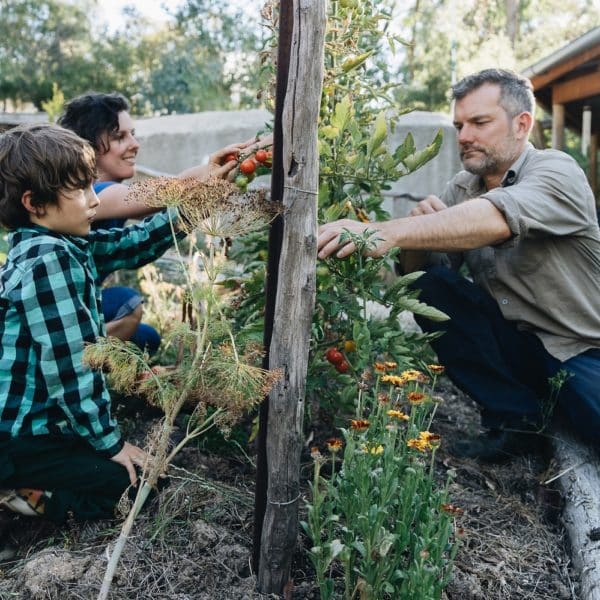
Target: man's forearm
(471,224)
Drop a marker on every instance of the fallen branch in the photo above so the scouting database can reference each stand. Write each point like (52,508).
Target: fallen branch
(579,481)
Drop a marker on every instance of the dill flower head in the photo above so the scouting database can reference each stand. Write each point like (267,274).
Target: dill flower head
(216,207)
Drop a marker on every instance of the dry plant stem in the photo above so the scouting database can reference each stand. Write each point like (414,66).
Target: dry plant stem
(159,463)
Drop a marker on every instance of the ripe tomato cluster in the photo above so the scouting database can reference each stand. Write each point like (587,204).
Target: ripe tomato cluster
(249,167)
(336,358)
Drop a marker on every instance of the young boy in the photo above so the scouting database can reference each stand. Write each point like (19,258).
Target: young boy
(61,452)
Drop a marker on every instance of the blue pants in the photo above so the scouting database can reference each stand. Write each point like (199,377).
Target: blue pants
(506,371)
(119,301)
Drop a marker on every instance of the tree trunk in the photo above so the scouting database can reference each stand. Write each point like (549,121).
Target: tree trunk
(580,482)
(295,294)
(512,20)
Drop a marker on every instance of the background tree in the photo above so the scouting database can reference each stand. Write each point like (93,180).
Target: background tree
(449,39)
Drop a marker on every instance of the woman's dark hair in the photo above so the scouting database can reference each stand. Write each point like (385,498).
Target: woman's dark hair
(42,159)
(93,114)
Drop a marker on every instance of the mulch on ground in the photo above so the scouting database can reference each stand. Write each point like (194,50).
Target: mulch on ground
(195,542)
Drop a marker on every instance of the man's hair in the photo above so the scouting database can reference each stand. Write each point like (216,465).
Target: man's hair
(94,114)
(43,159)
(516,91)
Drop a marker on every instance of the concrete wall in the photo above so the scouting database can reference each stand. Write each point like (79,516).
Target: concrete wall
(433,176)
(175,142)
(172,143)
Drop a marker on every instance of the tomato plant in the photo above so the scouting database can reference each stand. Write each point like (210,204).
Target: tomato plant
(334,356)
(248,166)
(342,367)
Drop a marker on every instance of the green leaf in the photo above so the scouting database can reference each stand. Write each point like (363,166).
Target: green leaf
(422,309)
(406,148)
(379,133)
(341,113)
(418,159)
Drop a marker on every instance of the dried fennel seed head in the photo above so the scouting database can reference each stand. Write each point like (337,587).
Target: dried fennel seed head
(216,207)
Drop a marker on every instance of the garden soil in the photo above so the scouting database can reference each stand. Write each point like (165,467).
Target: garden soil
(194,542)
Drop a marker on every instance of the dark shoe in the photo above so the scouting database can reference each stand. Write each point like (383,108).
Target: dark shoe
(498,446)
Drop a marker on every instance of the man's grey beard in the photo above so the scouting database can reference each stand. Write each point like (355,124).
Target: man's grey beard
(490,164)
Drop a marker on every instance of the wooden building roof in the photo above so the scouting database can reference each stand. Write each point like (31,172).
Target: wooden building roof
(570,76)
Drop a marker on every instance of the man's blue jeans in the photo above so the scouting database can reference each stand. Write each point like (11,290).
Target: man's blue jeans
(506,371)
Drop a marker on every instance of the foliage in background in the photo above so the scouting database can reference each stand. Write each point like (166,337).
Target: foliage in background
(205,58)
(450,39)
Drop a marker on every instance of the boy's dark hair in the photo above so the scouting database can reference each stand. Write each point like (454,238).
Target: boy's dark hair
(516,91)
(43,159)
(92,115)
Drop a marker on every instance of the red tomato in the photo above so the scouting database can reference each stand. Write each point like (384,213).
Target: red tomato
(229,158)
(342,367)
(269,160)
(261,156)
(247,166)
(334,356)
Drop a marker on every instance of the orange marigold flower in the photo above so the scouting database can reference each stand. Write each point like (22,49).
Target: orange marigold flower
(437,369)
(379,367)
(416,397)
(455,511)
(359,424)
(334,444)
(315,453)
(397,414)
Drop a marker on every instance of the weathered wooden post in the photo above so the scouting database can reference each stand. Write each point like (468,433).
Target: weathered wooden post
(295,294)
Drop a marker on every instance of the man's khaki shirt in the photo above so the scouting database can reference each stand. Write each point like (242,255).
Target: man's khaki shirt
(546,277)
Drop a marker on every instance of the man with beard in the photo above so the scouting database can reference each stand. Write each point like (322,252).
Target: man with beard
(524,223)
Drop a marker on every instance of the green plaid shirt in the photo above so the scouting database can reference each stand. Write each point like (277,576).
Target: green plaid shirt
(50,306)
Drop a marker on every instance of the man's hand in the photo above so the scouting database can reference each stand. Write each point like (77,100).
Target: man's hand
(328,241)
(428,206)
(129,456)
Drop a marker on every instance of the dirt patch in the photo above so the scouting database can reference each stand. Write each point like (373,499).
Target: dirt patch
(195,541)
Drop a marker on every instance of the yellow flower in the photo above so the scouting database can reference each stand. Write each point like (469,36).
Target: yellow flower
(334,444)
(430,438)
(437,369)
(359,424)
(378,449)
(414,375)
(394,380)
(417,444)
(390,364)
(398,414)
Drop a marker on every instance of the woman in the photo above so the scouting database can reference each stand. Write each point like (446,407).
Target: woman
(104,121)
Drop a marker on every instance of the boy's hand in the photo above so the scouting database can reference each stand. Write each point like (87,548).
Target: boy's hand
(129,456)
